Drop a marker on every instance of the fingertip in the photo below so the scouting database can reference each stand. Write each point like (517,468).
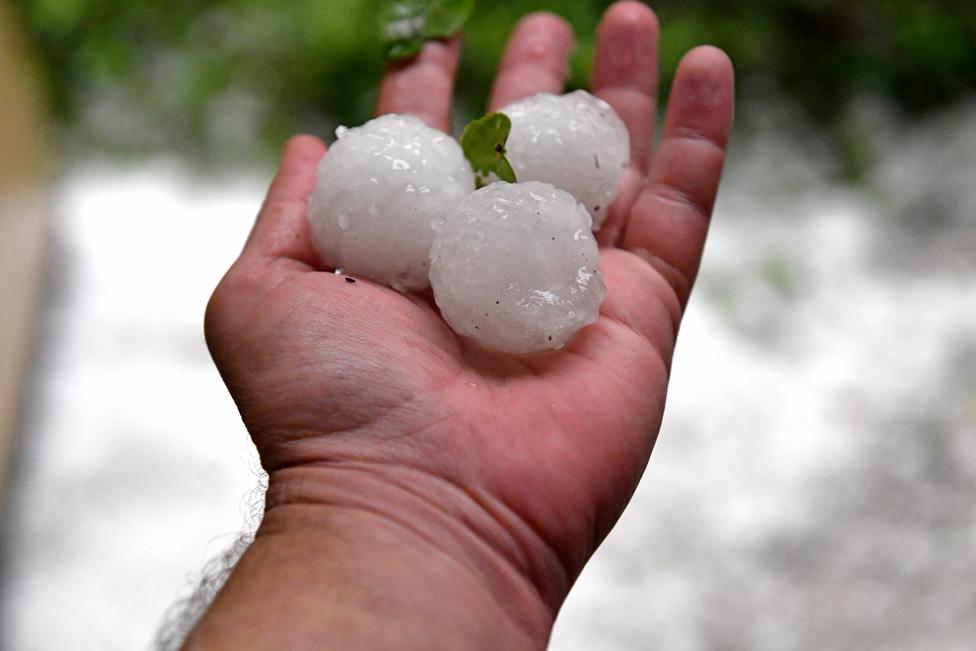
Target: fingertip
(541,38)
(630,14)
(551,26)
(296,174)
(703,93)
(627,42)
(422,86)
(707,60)
(302,147)
(707,71)
(535,60)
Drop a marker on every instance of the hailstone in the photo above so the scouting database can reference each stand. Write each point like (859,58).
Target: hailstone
(516,267)
(379,189)
(574,141)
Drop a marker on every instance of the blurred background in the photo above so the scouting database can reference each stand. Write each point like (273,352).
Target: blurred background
(814,485)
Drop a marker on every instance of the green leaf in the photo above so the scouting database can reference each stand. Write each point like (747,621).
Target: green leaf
(406,24)
(446,17)
(483,142)
(402,24)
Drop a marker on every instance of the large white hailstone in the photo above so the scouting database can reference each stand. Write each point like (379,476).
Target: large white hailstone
(380,187)
(516,267)
(575,141)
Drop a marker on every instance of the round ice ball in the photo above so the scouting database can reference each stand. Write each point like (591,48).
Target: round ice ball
(379,188)
(515,267)
(574,141)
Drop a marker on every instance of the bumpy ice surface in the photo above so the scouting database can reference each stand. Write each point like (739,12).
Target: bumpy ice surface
(379,188)
(574,141)
(516,267)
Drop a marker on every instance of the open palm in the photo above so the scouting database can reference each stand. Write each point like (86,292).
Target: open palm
(534,456)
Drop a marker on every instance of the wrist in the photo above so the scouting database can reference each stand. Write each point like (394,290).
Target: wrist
(366,555)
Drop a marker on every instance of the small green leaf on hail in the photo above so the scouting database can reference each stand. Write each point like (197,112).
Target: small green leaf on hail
(483,142)
(406,24)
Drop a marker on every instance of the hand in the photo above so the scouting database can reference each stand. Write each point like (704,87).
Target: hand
(478,480)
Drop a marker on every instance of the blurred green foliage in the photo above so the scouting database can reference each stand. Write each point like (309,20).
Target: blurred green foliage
(230,79)
(405,25)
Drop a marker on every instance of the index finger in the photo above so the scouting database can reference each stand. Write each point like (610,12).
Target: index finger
(422,86)
(535,59)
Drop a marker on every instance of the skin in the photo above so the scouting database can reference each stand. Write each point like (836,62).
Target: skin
(424,493)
